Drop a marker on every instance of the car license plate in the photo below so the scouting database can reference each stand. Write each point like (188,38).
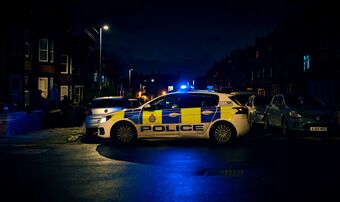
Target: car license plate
(318,128)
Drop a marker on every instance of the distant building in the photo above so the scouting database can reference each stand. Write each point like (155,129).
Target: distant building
(302,55)
(38,51)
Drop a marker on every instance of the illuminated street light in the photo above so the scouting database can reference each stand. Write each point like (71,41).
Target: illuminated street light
(105,27)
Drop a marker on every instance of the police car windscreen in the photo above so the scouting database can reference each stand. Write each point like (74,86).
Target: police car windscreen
(106,103)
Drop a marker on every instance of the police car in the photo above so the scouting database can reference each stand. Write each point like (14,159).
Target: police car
(210,115)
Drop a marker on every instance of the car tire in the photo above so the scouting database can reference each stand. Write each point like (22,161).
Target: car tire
(222,133)
(124,133)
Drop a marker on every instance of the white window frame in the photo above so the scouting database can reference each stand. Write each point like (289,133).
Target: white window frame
(78,93)
(63,91)
(70,64)
(43,86)
(66,64)
(43,50)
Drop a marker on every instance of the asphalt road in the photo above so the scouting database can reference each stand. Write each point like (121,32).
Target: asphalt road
(63,165)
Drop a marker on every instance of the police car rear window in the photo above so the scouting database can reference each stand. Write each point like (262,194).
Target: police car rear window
(102,103)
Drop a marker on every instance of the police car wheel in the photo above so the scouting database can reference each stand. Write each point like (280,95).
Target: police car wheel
(124,133)
(222,133)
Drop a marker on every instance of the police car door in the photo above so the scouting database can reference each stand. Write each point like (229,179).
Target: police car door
(197,112)
(161,118)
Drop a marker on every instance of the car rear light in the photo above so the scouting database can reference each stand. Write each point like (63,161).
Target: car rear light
(241,110)
(88,112)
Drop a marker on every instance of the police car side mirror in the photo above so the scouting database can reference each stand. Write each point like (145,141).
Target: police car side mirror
(147,107)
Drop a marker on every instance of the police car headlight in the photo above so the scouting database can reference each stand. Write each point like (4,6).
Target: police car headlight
(105,118)
(294,114)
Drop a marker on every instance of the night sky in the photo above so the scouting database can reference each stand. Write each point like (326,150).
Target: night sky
(180,36)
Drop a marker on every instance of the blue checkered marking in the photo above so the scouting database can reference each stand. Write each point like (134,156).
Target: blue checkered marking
(210,117)
(167,119)
(134,115)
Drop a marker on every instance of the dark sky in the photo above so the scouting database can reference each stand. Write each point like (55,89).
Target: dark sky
(181,36)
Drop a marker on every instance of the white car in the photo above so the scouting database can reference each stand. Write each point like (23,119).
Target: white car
(100,107)
(209,115)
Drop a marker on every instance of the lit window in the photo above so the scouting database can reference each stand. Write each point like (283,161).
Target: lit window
(43,86)
(63,92)
(306,62)
(95,77)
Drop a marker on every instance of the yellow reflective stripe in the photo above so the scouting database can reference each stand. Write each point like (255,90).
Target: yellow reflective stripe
(227,112)
(156,117)
(118,115)
(191,115)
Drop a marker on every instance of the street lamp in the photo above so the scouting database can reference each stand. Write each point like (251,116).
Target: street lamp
(130,78)
(105,27)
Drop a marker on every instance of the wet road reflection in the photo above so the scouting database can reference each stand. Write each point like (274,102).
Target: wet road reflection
(269,168)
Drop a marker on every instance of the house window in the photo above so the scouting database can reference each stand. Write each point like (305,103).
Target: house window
(63,92)
(43,86)
(306,62)
(95,77)
(43,50)
(64,64)
(78,93)
(46,50)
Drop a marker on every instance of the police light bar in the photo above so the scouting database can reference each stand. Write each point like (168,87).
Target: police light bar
(183,87)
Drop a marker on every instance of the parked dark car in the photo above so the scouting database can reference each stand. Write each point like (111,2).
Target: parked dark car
(256,105)
(299,113)
(242,96)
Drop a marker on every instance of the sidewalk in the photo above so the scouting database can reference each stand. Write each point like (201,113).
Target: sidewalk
(21,122)
(48,136)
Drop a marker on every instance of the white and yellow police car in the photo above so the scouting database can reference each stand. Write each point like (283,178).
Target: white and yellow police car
(197,114)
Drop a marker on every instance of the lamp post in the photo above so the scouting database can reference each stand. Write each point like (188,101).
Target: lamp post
(105,27)
(130,70)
